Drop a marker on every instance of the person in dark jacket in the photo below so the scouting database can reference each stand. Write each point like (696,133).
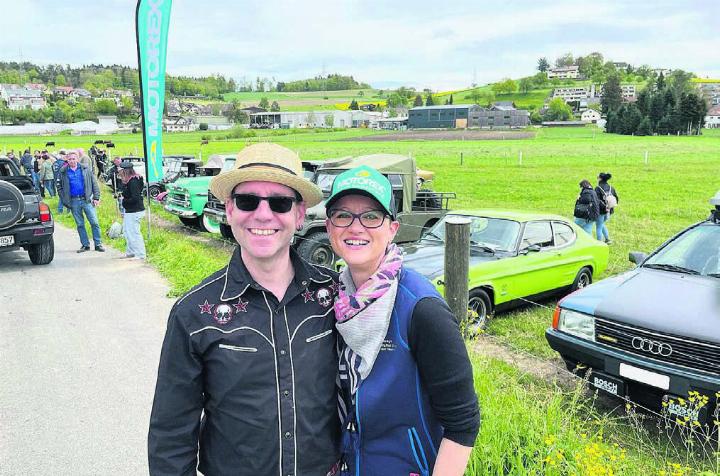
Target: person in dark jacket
(408,401)
(248,369)
(586,207)
(132,200)
(60,161)
(606,204)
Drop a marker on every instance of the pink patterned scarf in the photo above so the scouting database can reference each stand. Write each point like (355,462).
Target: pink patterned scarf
(349,305)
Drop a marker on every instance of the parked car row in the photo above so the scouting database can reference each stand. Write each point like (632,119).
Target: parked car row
(651,335)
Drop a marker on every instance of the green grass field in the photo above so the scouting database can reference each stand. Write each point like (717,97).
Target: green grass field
(530,427)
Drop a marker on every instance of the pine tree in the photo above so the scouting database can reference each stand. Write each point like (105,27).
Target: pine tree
(354,105)
(644,128)
(660,83)
(612,94)
(543,65)
(418,101)
(451,99)
(429,100)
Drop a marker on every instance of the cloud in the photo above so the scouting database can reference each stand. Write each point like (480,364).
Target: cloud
(418,43)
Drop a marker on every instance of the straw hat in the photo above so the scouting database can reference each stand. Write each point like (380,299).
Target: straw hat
(266,162)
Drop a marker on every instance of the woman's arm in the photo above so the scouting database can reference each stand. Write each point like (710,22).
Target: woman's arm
(446,374)
(452,459)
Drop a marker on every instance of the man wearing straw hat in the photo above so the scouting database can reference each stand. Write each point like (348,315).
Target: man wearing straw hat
(246,382)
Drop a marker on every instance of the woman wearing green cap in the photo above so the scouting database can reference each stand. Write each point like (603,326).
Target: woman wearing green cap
(408,403)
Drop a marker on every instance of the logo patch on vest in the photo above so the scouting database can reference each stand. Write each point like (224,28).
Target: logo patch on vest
(388,344)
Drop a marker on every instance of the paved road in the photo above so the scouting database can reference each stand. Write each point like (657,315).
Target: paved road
(79,346)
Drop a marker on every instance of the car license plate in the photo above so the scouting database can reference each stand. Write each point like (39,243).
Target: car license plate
(608,384)
(682,408)
(645,376)
(7,240)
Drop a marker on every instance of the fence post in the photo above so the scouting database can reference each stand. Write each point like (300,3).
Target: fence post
(457,262)
(521,157)
(461,158)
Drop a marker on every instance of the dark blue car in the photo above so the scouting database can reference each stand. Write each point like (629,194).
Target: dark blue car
(652,334)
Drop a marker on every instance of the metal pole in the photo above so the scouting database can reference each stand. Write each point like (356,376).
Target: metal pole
(457,263)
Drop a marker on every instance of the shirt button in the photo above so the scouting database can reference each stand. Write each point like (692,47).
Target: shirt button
(304,283)
(286,393)
(288,435)
(282,351)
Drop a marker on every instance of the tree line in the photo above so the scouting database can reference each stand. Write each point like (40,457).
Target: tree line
(331,82)
(665,106)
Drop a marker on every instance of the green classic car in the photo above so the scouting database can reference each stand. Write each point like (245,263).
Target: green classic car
(187,196)
(514,256)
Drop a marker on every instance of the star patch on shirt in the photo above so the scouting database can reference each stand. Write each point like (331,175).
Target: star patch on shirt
(241,305)
(335,287)
(308,295)
(206,308)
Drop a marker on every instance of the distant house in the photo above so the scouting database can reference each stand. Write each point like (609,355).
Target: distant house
(575,93)
(18,98)
(563,124)
(590,116)
(711,91)
(440,117)
(392,123)
(565,72)
(502,116)
(62,91)
(712,119)
(628,92)
(319,119)
(80,93)
(178,124)
(215,123)
(620,64)
(36,86)
(173,107)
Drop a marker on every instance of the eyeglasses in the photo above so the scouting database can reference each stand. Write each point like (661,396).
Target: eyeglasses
(247,202)
(368,219)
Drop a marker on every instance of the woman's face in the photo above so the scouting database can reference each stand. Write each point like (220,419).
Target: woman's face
(360,247)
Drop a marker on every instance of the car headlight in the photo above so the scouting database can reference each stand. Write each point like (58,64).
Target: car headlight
(577,324)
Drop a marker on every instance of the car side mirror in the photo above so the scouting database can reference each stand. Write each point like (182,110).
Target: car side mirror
(531,248)
(637,257)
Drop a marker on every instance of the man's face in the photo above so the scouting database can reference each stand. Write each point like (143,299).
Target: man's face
(72,160)
(263,234)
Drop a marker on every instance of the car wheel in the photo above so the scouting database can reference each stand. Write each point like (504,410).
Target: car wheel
(226,232)
(42,253)
(13,205)
(479,310)
(583,279)
(191,222)
(209,224)
(317,250)
(154,191)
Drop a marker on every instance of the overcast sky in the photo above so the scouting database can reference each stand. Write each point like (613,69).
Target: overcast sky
(422,43)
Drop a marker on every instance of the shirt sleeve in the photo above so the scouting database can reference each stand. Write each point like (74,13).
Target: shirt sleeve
(445,370)
(177,406)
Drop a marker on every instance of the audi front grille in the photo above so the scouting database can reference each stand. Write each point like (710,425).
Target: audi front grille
(673,349)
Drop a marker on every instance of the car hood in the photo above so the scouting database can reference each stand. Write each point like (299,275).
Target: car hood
(428,258)
(667,302)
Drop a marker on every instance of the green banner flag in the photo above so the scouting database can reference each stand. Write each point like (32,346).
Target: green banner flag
(152,19)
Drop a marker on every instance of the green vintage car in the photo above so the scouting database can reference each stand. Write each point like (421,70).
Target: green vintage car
(187,196)
(514,256)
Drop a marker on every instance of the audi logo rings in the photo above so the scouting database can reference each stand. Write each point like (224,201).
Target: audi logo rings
(652,346)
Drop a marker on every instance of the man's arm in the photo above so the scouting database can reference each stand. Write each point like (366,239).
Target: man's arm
(95,186)
(175,417)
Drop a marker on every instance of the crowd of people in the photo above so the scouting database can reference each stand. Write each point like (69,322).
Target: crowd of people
(595,206)
(73,175)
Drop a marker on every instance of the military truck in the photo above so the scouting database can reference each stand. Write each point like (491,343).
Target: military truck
(187,196)
(418,210)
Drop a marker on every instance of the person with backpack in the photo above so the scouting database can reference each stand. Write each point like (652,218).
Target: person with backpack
(56,166)
(607,201)
(587,208)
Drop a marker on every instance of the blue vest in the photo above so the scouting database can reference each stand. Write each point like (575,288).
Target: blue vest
(392,429)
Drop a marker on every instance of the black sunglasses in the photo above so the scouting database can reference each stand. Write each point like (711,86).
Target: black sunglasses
(247,202)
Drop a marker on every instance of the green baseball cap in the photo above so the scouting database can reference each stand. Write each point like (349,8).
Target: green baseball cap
(366,181)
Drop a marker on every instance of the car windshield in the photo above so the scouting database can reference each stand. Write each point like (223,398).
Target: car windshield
(495,233)
(228,164)
(173,166)
(697,251)
(325,179)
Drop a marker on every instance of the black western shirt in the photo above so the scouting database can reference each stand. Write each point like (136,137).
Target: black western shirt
(247,382)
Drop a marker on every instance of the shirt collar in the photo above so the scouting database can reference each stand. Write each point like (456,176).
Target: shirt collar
(238,279)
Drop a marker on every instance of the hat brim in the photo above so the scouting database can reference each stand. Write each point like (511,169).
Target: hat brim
(222,185)
(354,191)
